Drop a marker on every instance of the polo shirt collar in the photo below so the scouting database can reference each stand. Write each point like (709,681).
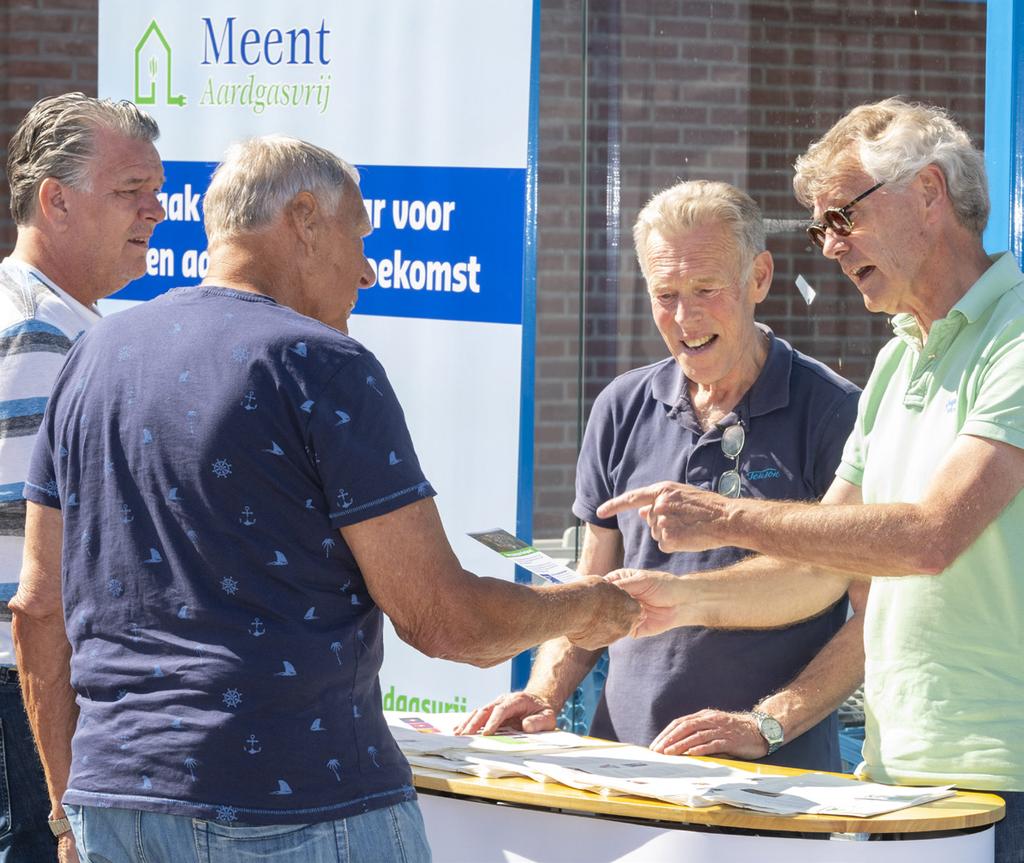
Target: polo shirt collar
(769,392)
(999,278)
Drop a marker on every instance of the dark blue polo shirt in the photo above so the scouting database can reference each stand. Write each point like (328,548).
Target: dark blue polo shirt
(642,430)
(204,449)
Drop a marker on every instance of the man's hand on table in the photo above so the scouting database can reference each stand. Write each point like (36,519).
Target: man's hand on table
(519,710)
(712,732)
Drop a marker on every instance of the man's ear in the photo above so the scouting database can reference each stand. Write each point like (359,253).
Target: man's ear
(51,203)
(933,187)
(302,214)
(761,275)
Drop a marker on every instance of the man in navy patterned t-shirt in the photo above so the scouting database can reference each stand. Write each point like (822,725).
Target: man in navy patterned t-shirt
(200,455)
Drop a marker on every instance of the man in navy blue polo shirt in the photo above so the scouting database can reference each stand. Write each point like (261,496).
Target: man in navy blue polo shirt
(736,410)
(228,483)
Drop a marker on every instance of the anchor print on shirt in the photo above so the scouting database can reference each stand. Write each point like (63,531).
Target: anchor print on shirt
(126,514)
(248,517)
(252,745)
(257,628)
(344,499)
(249,401)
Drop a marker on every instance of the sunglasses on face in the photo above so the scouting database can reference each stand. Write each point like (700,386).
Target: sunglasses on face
(838,219)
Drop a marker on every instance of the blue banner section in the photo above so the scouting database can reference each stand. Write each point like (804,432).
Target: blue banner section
(446,242)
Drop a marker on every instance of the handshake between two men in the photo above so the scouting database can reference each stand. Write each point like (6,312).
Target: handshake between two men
(682,518)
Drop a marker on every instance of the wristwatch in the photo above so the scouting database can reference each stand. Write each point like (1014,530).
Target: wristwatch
(59,826)
(770,729)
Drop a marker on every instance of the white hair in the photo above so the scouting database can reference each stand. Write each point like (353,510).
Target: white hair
(259,176)
(892,141)
(694,204)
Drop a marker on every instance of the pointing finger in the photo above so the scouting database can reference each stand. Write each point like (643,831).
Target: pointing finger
(632,499)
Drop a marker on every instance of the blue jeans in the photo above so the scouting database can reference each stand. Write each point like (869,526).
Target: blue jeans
(1010,831)
(395,833)
(24,834)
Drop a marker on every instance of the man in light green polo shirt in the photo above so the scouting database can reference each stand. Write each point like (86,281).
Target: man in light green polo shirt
(926,503)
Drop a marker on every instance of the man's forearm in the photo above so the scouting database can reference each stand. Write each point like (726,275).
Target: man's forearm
(823,685)
(43,655)
(558,669)
(492,620)
(878,540)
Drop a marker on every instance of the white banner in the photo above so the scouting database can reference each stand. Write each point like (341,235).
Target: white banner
(431,101)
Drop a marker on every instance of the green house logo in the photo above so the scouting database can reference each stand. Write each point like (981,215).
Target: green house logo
(153,66)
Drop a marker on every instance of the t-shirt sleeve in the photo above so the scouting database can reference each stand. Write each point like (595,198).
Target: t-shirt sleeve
(360,443)
(593,472)
(41,482)
(836,430)
(997,409)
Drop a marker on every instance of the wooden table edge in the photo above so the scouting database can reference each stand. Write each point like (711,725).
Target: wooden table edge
(965,810)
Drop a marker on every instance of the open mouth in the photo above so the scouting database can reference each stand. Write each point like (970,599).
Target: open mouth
(140,241)
(696,346)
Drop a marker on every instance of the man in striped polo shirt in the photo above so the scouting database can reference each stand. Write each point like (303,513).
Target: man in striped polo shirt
(83,177)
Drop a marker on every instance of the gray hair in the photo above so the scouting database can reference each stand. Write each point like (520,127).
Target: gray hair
(57,139)
(259,176)
(694,204)
(892,141)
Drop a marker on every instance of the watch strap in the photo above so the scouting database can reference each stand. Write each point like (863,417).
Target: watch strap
(59,826)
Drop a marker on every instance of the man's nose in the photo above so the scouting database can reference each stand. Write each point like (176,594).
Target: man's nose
(152,210)
(369,278)
(834,244)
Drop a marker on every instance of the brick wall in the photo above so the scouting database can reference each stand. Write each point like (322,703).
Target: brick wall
(722,90)
(675,89)
(46,47)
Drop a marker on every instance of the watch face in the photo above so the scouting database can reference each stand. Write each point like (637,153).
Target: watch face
(770,729)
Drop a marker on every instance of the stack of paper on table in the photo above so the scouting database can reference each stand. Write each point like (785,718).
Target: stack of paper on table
(611,768)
